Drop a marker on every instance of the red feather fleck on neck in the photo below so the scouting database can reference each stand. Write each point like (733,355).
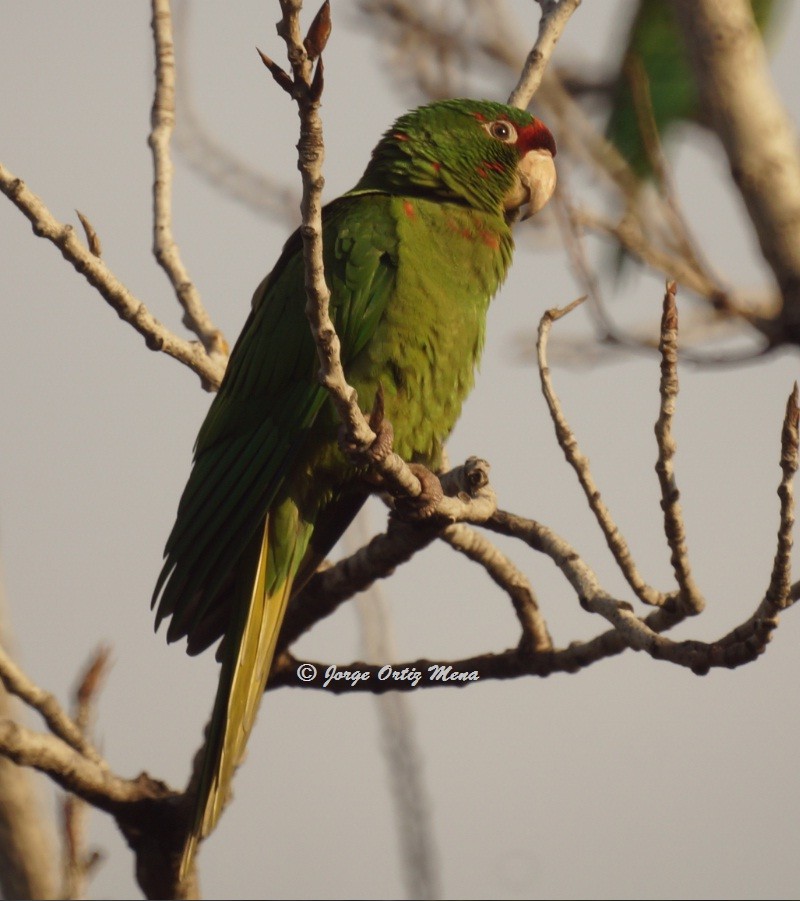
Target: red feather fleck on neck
(536,136)
(474,232)
(485,166)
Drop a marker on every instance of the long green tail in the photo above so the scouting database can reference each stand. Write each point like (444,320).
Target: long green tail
(247,660)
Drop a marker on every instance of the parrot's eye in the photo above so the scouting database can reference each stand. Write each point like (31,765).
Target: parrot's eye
(503,130)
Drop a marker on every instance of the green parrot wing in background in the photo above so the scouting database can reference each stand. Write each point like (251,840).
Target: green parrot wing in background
(412,255)
(656,42)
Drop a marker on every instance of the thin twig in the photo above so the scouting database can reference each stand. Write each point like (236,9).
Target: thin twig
(628,232)
(573,238)
(566,440)
(165,250)
(59,723)
(778,595)
(477,547)
(670,496)
(78,860)
(92,238)
(555,15)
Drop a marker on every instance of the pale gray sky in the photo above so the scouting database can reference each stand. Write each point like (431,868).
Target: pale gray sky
(632,779)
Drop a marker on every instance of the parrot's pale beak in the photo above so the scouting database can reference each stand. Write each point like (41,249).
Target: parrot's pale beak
(536,181)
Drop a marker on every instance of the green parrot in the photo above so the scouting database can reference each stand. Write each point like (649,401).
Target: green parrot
(655,41)
(413,254)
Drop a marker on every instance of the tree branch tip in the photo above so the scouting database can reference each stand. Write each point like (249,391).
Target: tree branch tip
(94,673)
(555,313)
(268,61)
(318,32)
(317,82)
(669,316)
(92,238)
(790,438)
(280,75)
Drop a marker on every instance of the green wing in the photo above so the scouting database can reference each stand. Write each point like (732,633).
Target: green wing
(267,411)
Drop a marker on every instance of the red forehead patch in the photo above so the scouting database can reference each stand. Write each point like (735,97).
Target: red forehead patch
(536,136)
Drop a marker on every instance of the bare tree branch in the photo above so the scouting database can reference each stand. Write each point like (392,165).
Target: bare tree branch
(471,543)
(780,593)
(165,249)
(17,683)
(555,15)
(92,238)
(566,440)
(99,276)
(670,496)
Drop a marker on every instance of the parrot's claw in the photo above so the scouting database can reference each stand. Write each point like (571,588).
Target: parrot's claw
(383,443)
(424,505)
(377,452)
(384,433)
(381,447)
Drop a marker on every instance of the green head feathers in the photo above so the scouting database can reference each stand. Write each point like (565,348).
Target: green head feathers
(467,151)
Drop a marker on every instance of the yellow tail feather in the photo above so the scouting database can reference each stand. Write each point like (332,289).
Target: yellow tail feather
(241,694)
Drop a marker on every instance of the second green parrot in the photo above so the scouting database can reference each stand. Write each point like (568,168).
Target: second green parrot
(413,254)
(656,44)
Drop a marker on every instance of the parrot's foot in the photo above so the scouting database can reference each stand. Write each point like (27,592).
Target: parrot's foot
(381,447)
(424,505)
(377,452)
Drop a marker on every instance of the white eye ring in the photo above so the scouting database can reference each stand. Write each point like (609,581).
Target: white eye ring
(502,130)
